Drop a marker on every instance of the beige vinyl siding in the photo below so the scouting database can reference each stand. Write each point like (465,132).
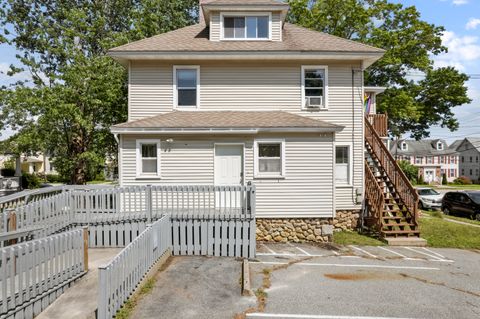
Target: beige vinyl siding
(261,86)
(215,32)
(276,27)
(305,192)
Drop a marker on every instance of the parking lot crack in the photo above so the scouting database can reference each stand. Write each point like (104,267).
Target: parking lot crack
(426,281)
(260,292)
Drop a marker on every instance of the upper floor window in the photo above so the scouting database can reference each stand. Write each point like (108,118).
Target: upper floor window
(429,160)
(246,27)
(404,146)
(418,160)
(440,146)
(186,81)
(314,87)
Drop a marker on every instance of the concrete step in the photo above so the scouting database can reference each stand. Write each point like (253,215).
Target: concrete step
(406,241)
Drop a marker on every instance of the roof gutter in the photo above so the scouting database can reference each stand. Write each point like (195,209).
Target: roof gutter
(129,130)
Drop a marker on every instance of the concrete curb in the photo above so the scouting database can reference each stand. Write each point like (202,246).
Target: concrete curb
(246,287)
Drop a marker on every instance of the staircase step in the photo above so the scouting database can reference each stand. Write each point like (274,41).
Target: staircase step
(401,224)
(406,241)
(400,232)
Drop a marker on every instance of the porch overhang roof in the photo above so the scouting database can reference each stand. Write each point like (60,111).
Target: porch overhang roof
(225,122)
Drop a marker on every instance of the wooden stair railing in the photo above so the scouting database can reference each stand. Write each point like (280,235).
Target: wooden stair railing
(379,123)
(402,185)
(375,197)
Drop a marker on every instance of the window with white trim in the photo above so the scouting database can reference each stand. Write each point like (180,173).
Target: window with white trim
(342,165)
(148,158)
(186,86)
(246,27)
(314,87)
(418,160)
(440,146)
(270,158)
(404,146)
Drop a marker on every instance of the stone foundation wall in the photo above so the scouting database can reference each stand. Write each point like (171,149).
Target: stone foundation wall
(305,229)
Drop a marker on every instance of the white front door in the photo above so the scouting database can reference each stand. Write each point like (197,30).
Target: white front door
(228,172)
(429,175)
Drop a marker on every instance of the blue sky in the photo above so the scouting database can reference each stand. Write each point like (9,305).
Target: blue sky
(461,19)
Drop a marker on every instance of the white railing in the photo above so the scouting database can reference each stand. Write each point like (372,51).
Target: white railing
(36,268)
(119,279)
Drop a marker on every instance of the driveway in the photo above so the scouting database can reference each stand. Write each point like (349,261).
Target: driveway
(308,281)
(196,287)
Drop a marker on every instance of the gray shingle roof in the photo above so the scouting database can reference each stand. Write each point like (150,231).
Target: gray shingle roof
(228,120)
(421,148)
(195,38)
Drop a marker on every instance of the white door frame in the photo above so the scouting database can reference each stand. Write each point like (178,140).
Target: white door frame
(243,157)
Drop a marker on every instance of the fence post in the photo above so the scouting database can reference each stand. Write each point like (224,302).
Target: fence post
(85,248)
(149,203)
(253,201)
(102,293)
(12,225)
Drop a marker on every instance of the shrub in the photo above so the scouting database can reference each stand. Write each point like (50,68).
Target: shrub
(55,178)
(410,170)
(30,181)
(463,180)
(420,180)
(444,179)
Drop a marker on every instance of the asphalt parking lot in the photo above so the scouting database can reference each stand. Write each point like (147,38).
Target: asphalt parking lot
(308,281)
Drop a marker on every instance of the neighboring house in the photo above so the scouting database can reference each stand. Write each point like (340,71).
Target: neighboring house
(434,158)
(38,164)
(469,153)
(246,97)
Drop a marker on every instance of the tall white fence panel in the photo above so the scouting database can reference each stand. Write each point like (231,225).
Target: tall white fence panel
(119,279)
(32,273)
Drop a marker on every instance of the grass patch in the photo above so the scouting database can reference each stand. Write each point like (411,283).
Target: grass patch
(441,233)
(126,311)
(458,218)
(457,187)
(354,238)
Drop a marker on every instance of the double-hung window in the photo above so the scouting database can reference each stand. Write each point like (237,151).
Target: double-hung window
(269,158)
(342,165)
(246,27)
(186,81)
(314,87)
(148,158)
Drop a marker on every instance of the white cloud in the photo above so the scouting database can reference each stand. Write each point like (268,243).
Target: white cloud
(462,50)
(472,24)
(6,79)
(459,2)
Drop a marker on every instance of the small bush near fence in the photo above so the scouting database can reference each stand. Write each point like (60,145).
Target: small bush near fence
(55,178)
(410,171)
(30,181)
(462,180)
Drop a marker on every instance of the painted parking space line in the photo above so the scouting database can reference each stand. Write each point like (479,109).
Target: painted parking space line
(269,249)
(363,251)
(435,253)
(299,316)
(398,254)
(345,265)
(288,255)
(435,258)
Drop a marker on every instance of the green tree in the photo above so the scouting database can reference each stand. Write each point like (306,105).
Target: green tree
(411,171)
(76,92)
(410,44)
(444,179)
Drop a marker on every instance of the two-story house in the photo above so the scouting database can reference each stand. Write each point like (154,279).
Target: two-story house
(434,158)
(469,153)
(245,97)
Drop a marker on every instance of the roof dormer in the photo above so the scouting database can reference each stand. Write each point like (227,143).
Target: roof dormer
(244,20)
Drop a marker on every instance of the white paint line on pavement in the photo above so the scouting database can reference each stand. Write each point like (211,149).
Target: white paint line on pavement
(363,251)
(435,258)
(345,265)
(335,253)
(287,255)
(298,316)
(268,248)
(348,256)
(393,252)
(435,253)
(303,251)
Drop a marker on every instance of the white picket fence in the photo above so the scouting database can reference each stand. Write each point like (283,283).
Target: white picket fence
(119,279)
(32,274)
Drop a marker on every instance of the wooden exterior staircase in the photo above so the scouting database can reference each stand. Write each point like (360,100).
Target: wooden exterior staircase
(391,202)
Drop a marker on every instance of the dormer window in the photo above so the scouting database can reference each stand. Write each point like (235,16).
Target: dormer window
(246,27)
(404,146)
(440,146)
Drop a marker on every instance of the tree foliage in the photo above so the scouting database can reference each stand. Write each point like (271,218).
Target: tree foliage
(410,44)
(76,92)
(410,170)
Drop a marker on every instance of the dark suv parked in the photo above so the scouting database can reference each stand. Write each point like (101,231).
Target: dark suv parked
(462,203)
